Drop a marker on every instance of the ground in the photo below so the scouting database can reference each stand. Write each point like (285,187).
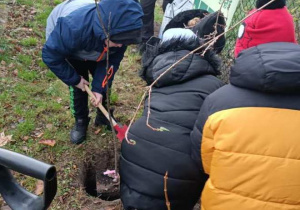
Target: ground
(35,106)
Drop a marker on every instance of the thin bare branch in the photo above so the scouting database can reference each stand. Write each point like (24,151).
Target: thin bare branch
(108,100)
(134,116)
(214,34)
(149,110)
(217,21)
(107,34)
(101,20)
(168,204)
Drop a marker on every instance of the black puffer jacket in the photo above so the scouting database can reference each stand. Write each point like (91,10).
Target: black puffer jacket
(175,103)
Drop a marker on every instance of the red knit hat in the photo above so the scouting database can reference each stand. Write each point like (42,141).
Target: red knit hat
(267,25)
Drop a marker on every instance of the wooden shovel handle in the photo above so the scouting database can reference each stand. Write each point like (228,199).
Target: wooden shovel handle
(100,106)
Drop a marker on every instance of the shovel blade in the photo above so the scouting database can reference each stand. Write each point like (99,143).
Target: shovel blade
(121,131)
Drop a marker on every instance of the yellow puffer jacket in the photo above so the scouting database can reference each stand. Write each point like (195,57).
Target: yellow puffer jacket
(250,144)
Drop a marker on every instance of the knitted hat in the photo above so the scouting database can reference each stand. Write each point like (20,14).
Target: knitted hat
(128,37)
(272,24)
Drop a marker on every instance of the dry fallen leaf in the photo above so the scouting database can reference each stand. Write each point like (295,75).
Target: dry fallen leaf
(39,189)
(25,138)
(6,106)
(24,148)
(33,12)
(3,63)
(59,100)
(4,139)
(110,208)
(49,126)
(40,135)
(97,201)
(61,199)
(48,142)
(97,131)
(18,48)
(15,72)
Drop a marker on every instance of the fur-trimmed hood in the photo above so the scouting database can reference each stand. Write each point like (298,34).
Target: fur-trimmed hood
(160,57)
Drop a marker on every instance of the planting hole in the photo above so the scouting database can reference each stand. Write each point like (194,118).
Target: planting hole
(96,184)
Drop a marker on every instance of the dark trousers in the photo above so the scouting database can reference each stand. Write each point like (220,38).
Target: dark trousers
(78,98)
(148,19)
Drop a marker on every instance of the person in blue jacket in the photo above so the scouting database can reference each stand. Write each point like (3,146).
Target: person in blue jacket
(76,44)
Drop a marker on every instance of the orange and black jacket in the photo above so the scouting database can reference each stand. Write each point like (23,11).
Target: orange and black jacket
(247,133)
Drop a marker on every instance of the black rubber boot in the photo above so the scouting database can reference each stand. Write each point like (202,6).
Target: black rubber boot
(78,132)
(101,120)
(142,47)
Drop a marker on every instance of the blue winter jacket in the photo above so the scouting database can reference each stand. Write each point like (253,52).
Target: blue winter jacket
(79,35)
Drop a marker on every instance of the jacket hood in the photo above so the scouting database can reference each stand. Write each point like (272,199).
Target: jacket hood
(157,59)
(272,68)
(206,27)
(126,15)
(181,19)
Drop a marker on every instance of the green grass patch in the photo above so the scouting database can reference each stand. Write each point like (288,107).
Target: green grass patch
(26,2)
(158,14)
(5,57)
(52,90)
(50,75)
(25,59)
(42,16)
(42,64)
(31,41)
(27,75)
(24,128)
(114,97)
(5,51)
(56,2)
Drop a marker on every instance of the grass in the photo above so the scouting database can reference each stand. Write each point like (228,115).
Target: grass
(158,13)
(25,59)
(114,97)
(29,76)
(35,104)
(27,42)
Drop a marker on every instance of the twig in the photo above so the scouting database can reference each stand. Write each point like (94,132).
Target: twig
(101,20)
(166,191)
(192,52)
(219,12)
(108,99)
(215,31)
(149,112)
(134,116)
(107,34)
